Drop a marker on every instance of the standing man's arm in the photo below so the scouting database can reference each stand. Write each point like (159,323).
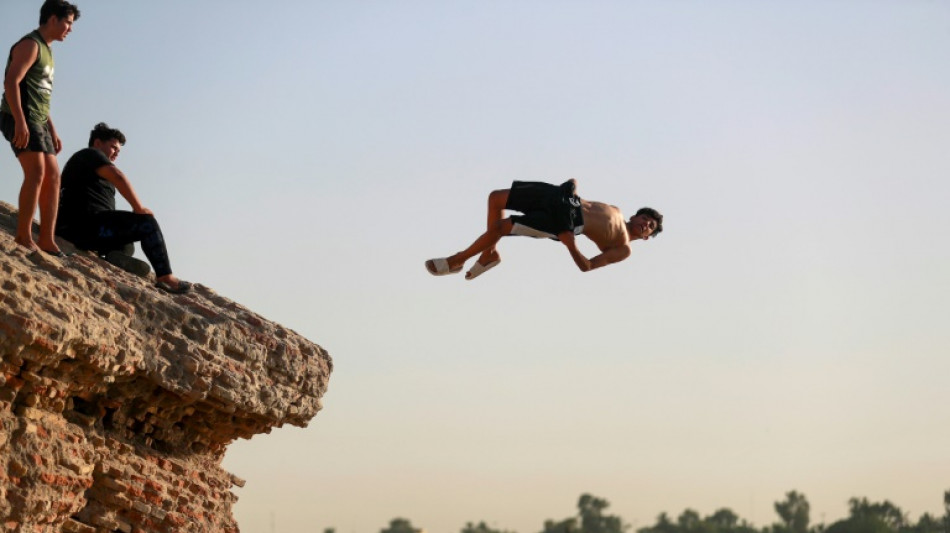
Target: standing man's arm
(22,58)
(113,175)
(57,142)
(611,255)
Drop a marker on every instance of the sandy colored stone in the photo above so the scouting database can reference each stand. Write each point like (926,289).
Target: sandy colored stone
(118,401)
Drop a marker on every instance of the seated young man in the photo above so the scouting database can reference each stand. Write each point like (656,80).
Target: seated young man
(87,214)
(555,212)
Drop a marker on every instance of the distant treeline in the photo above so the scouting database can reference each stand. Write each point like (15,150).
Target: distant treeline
(794,516)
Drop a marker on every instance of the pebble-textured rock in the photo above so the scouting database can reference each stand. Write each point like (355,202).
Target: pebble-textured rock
(118,401)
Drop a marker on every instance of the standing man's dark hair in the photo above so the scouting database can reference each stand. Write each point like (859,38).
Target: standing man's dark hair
(26,122)
(60,8)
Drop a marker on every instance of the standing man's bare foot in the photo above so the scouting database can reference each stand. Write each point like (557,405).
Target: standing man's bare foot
(29,245)
(51,249)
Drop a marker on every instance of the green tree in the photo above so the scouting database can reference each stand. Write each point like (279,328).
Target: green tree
(868,517)
(481,527)
(568,525)
(689,521)
(663,525)
(926,524)
(591,518)
(794,512)
(723,520)
(400,525)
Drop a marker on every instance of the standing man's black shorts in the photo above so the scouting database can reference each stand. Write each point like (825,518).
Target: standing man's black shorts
(41,138)
(548,209)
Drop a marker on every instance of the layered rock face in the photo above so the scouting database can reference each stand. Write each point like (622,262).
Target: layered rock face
(117,401)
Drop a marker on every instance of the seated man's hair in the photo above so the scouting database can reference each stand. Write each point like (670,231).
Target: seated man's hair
(60,8)
(102,132)
(655,215)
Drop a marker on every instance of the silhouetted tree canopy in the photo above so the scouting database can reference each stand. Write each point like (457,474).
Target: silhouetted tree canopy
(591,518)
(400,525)
(481,527)
(794,512)
(864,516)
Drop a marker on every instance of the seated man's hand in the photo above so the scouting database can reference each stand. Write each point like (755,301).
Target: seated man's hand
(143,211)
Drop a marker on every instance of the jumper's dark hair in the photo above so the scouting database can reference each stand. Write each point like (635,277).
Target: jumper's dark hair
(655,215)
(102,132)
(60,8)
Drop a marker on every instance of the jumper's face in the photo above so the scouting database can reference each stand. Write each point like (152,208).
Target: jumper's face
(642,227)
(111,148)
(61,26)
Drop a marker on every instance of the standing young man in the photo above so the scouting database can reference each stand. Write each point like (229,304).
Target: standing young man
(25,121)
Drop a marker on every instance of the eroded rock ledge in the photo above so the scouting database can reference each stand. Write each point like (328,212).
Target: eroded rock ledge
(117,401)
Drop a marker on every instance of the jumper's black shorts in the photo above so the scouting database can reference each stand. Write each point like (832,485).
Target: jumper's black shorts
(548,209)
(41,138)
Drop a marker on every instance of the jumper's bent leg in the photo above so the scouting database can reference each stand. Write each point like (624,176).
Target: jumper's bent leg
(484,244)
(497,201)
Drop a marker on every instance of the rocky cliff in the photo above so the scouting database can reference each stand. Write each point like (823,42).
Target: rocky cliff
(118,401)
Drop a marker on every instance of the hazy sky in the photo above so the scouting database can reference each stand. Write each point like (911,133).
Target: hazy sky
(788,331)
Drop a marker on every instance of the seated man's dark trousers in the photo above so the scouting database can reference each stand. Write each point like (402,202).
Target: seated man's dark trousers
(108,231)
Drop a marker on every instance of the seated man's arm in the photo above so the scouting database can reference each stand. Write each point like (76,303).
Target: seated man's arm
(611,255)
(113,175)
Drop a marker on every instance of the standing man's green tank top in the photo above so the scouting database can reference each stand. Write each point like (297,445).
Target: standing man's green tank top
(36,88)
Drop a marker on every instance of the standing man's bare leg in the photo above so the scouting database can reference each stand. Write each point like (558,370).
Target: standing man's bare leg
(33,171)
(49,203)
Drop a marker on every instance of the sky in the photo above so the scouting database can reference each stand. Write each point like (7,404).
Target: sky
(787,331)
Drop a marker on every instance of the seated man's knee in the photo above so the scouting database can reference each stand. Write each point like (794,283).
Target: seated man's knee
(145,218)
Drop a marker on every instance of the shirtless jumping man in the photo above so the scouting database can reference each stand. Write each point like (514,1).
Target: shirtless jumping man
(555,212)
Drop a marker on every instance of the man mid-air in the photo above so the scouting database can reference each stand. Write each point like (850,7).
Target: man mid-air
(555,212)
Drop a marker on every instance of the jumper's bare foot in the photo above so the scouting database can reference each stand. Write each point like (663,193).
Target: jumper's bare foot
(487,261)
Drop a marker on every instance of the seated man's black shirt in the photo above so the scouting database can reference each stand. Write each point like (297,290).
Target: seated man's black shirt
(83,192)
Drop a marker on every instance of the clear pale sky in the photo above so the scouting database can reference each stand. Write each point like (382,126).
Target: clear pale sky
(788,331)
